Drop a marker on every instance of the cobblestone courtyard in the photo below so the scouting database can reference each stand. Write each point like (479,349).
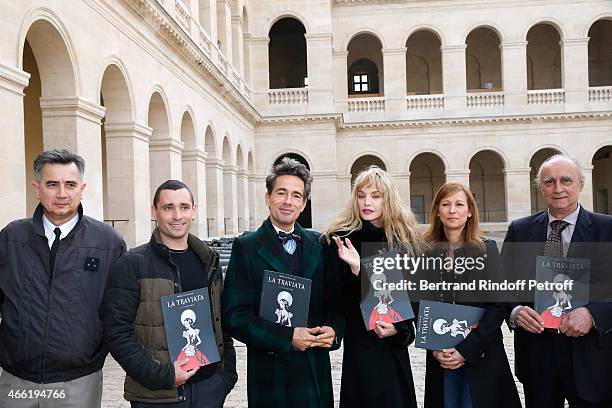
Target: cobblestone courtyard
(113,376)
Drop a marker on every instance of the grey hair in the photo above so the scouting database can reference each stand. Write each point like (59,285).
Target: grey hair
(57,156)
(290,167)
(536,180)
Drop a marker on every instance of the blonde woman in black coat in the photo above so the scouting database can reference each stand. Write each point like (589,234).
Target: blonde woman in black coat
(376,367)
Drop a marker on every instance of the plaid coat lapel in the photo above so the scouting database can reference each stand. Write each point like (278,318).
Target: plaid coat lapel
(311,251)
(268,248)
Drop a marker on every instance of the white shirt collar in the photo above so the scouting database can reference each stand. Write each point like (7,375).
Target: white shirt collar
(65,228)
(278,229)
(571,218)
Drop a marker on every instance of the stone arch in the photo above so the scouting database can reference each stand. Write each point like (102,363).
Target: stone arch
(602,179)
(210,143)
(158,117)
(45,52)
(600,53)
(115,89)
(425,27)
(52,46)
(365,73)
(423,63)
(544,65)
(292,152)
(364,161)
(483,59)
(488,25)
(364,30)
(488,184)
(427,174)
(116,96)
(535,161)
(502,155)
(287,54)
(164,151)
(189,130)
(545,20)
(281,15)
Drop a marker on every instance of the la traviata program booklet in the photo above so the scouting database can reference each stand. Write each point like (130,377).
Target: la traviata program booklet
(382,297)
(285,299)
(567,287)
(189,330)
(444,325)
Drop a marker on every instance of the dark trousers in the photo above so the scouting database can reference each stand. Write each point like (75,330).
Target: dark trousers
(457,389)
(556,381)
(207,393)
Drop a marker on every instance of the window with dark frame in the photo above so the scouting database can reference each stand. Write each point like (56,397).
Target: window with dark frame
(361,84)
(363,77)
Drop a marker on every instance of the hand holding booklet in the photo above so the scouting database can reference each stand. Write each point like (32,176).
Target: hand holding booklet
(444,325)
(285,299)
(189,331)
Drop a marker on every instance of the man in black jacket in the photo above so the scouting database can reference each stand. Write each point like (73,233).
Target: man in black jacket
(173,261)
(53,270)
(573,363)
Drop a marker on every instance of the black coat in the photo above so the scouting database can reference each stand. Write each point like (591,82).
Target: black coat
(375,372)
(51,327)
(592,353)
(490,380)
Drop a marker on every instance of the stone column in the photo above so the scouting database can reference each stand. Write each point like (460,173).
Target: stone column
(586,197)
(247,59)
(324,199)
(340,85)
(165,161)
(253,203)
(12,154)
(575,72)
(514,69)
(402,183)
(214,197)
(453,76)
(127,180)
(207,12)
(237,45)
(320,87)
(74,123)
(518,193)
(194,175)
(394,66)
(460,175)
(224,13)
(230,193)
(260,205)
(260,81)
(242,180)
(344,190)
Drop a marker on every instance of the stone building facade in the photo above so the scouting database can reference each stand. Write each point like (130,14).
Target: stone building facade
(214,92)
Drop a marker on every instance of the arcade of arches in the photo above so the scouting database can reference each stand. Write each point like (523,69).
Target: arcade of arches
(285,86)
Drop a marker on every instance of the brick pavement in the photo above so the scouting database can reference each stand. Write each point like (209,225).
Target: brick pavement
(113,377)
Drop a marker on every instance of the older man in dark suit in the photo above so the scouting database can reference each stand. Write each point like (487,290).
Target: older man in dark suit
(573,363)
(286,366)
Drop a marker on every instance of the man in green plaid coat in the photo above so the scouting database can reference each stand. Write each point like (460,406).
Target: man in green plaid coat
(286,366)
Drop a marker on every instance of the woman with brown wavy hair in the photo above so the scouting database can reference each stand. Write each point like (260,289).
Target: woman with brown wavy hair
(475,373)
(376,367)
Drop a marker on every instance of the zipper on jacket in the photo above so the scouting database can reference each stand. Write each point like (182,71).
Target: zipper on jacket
(45,333)
(177,283)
